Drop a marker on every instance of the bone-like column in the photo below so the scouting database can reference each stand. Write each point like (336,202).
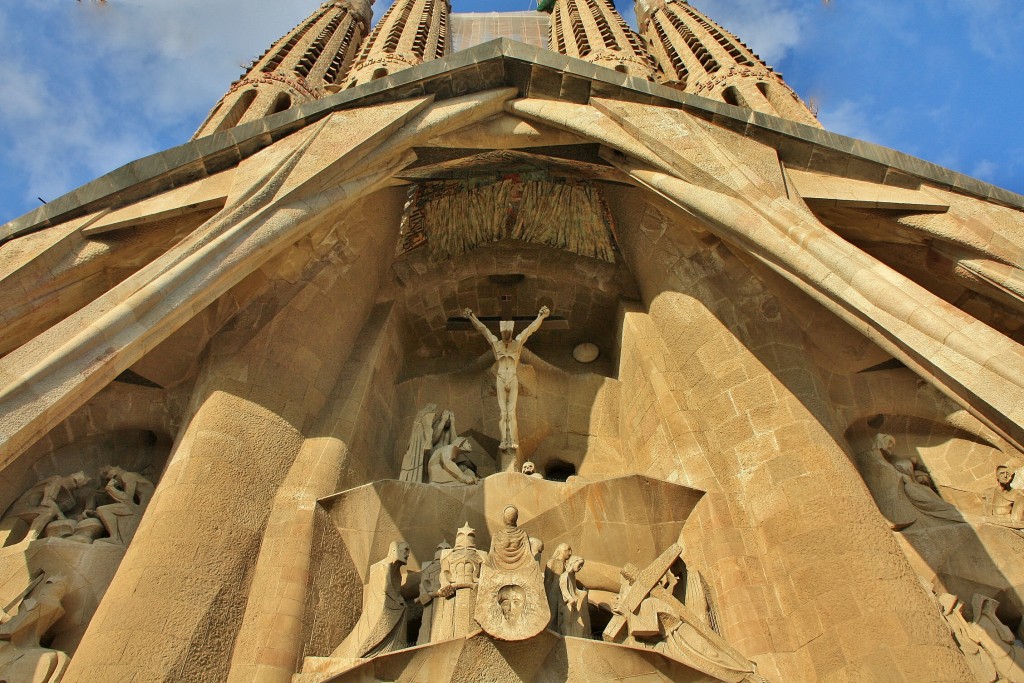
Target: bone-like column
(972,363)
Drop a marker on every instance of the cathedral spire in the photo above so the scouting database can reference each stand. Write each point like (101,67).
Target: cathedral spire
(304,65)
(410,33)
(594,31)
(699,56)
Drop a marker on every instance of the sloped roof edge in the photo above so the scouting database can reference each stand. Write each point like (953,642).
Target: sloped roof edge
(537,73)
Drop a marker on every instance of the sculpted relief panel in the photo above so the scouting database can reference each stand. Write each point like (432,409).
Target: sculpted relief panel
(62,540)
(507,593)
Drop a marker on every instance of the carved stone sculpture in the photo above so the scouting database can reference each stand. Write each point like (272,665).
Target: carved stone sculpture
(449,466)
(507,352)
(458,579)
(898,490)
(1004,502)
(997,640)
(431,429)
(886,443)
(381,626)
(573,617)
(552,573)
(530,470)
(131,493)
(22,656)
(648,615)
(992,652)
(48,500)
(430,586)
(512,603)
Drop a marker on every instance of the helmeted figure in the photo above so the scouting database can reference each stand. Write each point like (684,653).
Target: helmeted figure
(458,579)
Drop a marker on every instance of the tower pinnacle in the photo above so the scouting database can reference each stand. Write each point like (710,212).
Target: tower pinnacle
(699,56)
(410,33)
(594,31)
(304,65)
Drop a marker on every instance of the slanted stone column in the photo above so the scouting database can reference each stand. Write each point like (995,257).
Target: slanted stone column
(808,578)
(176,605)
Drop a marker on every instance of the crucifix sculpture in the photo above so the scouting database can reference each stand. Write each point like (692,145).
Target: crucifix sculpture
(507,352)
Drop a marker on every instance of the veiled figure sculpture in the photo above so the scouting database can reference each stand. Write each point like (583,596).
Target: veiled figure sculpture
(431,429)
(382,623)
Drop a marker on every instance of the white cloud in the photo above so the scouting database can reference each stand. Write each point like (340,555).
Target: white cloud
(90,87)
(985,170)
(850,118)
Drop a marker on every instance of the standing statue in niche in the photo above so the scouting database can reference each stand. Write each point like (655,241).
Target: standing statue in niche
(1005,503)
(430,587)
(22,656)
(552,573)
(458,580)
(573,617)
(647,614)
(431,429)
(381,626)
(507,352)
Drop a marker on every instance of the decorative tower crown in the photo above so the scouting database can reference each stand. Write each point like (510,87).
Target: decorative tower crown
(410,33)
(594,31)
(304,65)
(699,56)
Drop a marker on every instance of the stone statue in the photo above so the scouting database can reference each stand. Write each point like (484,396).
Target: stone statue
(573,616)
(430,586)
(997,640)
(885,443)
(458,580)
(381,626)
(512,603)
(530,470)
(552,573)
(992,652)
(448,466)
(648,615)
(507,352)
(963,633)
(431,429)
(22,656)
(131,493)
(897,488)
(1004,502)
(48,500)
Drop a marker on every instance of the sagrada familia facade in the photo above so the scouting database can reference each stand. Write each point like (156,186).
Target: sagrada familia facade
(513,347)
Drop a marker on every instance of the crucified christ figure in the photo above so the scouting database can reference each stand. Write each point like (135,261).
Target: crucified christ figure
(506,352)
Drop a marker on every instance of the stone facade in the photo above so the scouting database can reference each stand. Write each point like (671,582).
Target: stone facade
(510,366)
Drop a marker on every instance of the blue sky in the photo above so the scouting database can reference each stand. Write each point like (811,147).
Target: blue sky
(87,87)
